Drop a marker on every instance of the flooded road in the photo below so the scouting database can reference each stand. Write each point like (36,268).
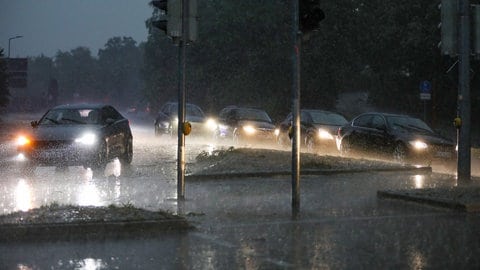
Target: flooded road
(244,223)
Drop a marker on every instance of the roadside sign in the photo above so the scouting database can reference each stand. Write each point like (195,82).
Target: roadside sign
(425,96)
(425,90)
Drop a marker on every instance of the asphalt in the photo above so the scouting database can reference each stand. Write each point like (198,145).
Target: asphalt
(248,223)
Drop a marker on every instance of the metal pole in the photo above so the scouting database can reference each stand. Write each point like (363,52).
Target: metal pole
(464,159)
(296,112)
(181,105)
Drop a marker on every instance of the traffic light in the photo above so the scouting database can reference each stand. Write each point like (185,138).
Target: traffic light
(448,26)
(170,21)
(310,15)
(476,29)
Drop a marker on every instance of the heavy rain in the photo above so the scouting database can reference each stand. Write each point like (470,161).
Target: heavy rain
(94,173)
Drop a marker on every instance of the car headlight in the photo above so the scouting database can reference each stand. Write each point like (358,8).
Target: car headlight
(87,139)
(419,145)
(222,127)
(277,132)
(324,135)
(211,124)
(249,129)
(22,140)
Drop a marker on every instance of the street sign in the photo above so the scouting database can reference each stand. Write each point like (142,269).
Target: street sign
(425,96)
(425,90)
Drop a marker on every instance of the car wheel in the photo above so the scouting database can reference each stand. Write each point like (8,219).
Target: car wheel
(310,144)
(345,147)
(127,156)
(400,153)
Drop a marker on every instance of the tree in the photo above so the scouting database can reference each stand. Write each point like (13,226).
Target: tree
(76,72)
(119,70)
(40,71)
(4,92)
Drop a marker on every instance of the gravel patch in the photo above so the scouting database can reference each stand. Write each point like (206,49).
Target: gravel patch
(239,161)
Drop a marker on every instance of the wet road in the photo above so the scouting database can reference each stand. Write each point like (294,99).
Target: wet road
(246,223)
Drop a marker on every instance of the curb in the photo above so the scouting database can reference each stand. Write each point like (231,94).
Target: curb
(95,230)
(422,196)
(303,172)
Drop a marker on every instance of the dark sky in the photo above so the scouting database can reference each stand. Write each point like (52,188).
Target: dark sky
(51,25)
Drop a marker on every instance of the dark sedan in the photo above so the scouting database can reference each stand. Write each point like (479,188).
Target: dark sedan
(318,130)
(166,121)
(403,138)
(243,124)
(82,134)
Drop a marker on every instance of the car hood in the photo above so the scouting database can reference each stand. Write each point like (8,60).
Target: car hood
(62,133)
(257,124)
(194,119)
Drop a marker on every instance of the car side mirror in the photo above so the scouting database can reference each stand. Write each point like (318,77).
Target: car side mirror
(34,124)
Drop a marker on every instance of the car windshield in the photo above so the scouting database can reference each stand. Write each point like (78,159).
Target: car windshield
(327,118)
(70,117)
(408,123)
(190,110)
(255,115)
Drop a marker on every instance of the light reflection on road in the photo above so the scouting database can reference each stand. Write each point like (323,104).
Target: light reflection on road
(23,196)
(419,180)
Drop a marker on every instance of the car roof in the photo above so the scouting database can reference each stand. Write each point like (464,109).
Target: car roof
(389,114)
(317,110)
(81,106)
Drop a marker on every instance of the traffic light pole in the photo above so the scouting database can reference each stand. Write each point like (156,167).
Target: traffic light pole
(296,111)
(181,105)
(464,158)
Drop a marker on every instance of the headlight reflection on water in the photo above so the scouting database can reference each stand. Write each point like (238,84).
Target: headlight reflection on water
(89,195)
(419,180)
(23,196)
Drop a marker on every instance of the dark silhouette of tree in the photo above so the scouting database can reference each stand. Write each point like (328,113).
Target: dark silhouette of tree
(119,66)
(4,92)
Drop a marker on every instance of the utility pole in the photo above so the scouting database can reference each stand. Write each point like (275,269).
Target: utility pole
(464,106)
(181,104)
(296,111)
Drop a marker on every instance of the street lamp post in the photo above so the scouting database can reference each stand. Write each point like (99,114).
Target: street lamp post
(10,39)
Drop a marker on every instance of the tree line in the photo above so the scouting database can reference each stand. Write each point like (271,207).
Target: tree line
(112,76)
(243,56)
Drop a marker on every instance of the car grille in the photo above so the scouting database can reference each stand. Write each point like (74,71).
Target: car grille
(46,145)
